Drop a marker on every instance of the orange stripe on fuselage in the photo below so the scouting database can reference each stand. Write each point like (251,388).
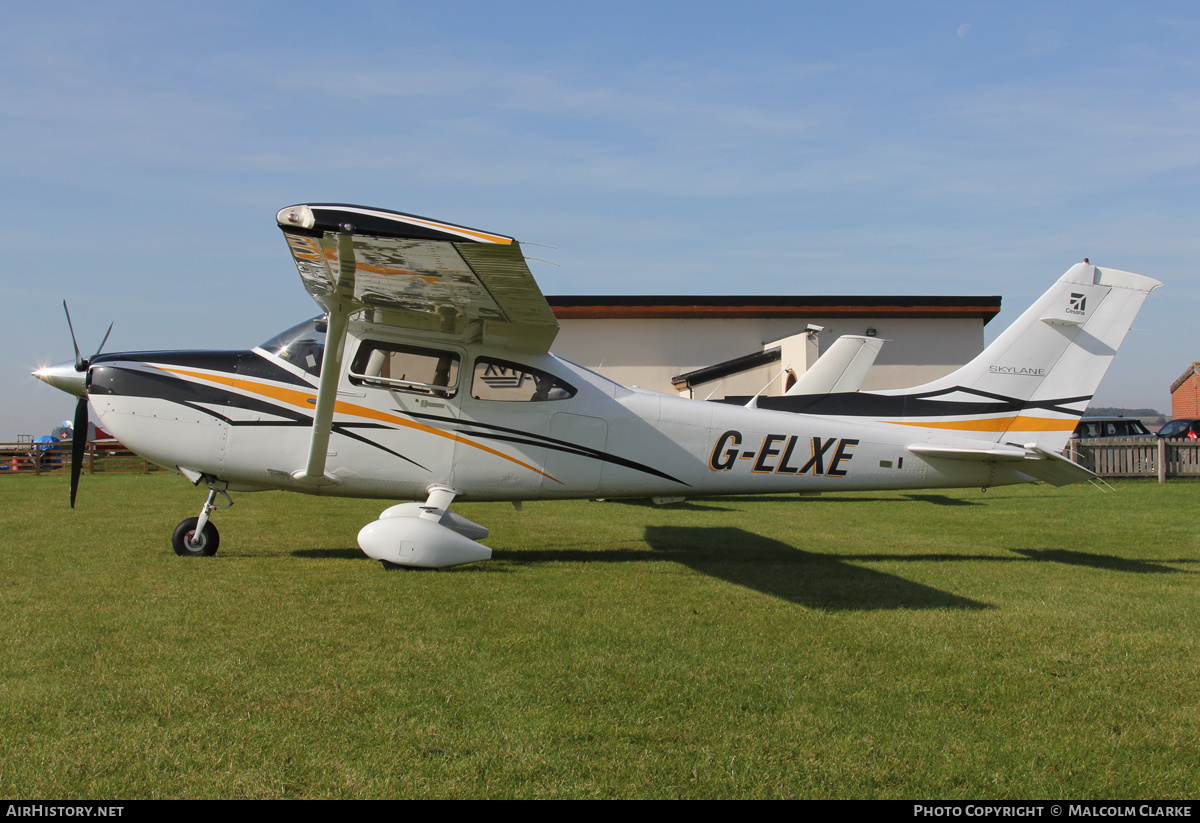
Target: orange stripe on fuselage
(1019,423)
(307,400)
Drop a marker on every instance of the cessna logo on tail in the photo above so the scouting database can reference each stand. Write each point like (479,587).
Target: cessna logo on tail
(1078,304)
(778,454)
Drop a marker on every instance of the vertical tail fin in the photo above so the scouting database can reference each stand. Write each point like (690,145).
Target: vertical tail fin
(1035,380)
(842,368)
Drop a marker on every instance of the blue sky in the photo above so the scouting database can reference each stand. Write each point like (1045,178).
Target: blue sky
(849,148)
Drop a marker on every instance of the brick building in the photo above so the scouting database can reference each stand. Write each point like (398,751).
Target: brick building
(1185,393)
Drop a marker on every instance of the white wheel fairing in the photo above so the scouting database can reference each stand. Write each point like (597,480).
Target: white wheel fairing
(414,541)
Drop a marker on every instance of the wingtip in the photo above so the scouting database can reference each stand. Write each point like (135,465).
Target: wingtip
(298,216)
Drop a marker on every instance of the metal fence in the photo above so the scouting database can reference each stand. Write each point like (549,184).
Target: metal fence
(1130,457)
(48,458)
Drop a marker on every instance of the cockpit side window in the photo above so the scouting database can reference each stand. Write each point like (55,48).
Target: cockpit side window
(505,380)
(302,345)
(405,368)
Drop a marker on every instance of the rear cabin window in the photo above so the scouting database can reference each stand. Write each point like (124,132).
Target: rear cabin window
(504,380)
(405,368)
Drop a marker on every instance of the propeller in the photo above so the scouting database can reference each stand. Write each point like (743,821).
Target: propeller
(80,363)
(79,435)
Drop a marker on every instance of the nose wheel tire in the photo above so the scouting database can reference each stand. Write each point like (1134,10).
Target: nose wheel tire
(187,543)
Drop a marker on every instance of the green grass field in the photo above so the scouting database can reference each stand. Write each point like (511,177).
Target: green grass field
(1028,642)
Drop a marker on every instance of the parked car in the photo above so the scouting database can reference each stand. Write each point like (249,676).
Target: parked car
(1092,427)
(1183,429)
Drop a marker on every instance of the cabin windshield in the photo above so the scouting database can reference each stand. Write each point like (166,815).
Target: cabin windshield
(302,345)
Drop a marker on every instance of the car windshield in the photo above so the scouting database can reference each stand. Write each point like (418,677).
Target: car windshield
(1178,428)
(302,345)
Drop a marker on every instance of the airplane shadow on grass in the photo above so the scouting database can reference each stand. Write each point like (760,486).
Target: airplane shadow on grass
(1098,561)
(818,581)
(815,580)
(708,503)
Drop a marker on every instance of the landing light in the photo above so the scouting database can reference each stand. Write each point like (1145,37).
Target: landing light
(296,216)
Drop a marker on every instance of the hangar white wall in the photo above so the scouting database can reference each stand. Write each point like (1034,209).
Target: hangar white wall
(649,352)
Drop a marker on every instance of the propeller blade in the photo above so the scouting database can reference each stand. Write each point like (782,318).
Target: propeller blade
(79,364)
(102,342)
(78,444)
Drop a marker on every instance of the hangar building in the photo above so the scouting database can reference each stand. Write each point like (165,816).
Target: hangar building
(722,346)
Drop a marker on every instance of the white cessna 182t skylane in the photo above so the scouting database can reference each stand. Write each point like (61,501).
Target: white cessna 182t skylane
(429,378)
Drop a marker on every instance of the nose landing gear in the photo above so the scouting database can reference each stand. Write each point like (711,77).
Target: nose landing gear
(197,536)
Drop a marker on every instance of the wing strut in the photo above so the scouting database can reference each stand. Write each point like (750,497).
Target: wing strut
(331,365)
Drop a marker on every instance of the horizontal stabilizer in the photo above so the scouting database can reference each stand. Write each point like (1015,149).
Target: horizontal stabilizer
(1054,468)
(1034,461)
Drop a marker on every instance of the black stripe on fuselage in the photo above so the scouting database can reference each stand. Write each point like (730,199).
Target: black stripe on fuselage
(502,433)
(240,363)
(109,378)
(925,404)
(126,382)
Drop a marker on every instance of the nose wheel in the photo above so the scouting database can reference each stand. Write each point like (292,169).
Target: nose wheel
(197,536)
(188,541)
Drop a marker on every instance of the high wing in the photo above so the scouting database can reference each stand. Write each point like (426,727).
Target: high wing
(410,272)
(418,273)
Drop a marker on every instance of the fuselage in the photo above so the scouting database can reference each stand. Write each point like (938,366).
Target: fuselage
(494,425)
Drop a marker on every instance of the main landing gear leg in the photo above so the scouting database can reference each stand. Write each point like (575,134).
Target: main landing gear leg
(197,536)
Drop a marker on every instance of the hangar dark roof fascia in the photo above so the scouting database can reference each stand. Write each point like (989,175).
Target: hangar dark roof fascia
(698,307)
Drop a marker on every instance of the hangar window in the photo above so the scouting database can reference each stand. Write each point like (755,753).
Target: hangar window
(405,368)
(504,380)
